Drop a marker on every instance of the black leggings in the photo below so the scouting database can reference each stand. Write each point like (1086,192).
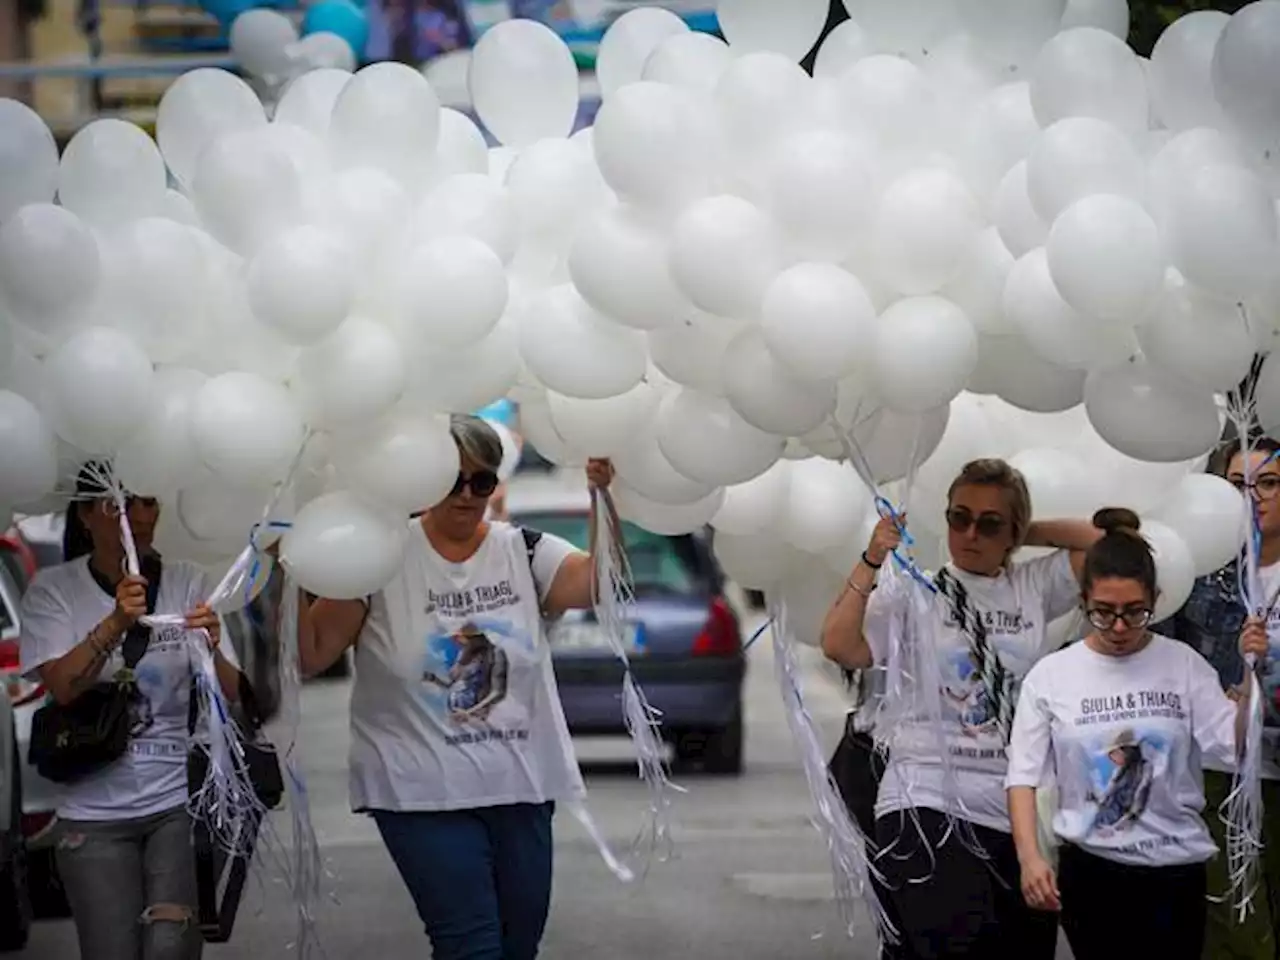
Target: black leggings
(953,903)
(1114,911)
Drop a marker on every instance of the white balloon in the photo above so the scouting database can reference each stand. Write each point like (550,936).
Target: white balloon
(905,27)
(1087,72)
(1181,87)
(470,205)
(1198,336)
(927,220)
(925,351)
(554,185)
(198,108)
(28,159)
(998,133)
(645,469)
(600,428)
(248,430)
(842,48)
(724,254)
(302,283)
(760,97)
(405,462)
(665,519)
(692,61)
(161,457)
(1179,157)
(651,144)
(825,505)
(216,517)
(1055,331)
(628,44)
(344,548)
(323,51)
(1011,31)
(462,379)
(351,376)
(1244,71)
(618,262)
(1223,232)
(49,264)
(1027,380)
(97,389)
(753,507)
(818,321)
(790,29)
(767,395)
(247,190)
(387,117)
(1175,568)
(462,147)
(1021,228)
(1151,415)
(691,351)
(111,172)
(260,40)
(448,292)
(308,100)
(1109,15)
(575,351)
(366,207)
(978,288)
(820,190)
(1058,481)
(754,561)
(1106,258)
(704,439)
(891,96)
(523,82)
(29,469)
(1208,514)
(1077,157)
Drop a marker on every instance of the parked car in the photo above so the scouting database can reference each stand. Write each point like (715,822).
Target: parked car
(15,899)
(684,639)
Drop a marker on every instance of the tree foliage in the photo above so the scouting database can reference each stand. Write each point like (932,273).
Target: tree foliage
(1148,18)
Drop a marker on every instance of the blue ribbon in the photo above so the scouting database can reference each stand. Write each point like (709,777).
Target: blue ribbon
(905,563)
(257,557)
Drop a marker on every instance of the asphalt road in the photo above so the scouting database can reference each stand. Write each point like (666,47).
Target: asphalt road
(749,878)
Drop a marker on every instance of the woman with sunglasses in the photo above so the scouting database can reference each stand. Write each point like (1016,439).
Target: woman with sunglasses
(124,836)
(1122,720)
(955,891)
(463,799)
(1212,622)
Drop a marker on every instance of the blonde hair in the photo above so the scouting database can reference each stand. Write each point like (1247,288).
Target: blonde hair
(992,472)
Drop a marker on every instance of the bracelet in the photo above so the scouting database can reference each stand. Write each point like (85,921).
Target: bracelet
(867,561)
(864,592)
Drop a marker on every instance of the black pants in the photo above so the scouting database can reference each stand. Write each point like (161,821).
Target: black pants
(1113,911)
(954,903)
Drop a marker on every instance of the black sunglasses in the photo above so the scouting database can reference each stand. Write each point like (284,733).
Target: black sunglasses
(988,524)
(1133,618)
(482,483)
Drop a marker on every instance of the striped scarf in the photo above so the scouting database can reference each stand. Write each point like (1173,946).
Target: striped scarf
(997,682)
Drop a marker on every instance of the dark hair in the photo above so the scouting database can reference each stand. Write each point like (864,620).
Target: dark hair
(76,541)
(1220,462)
(1121,553)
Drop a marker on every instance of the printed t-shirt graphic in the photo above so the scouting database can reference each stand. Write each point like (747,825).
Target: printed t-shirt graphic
(1124,738)
(470,669)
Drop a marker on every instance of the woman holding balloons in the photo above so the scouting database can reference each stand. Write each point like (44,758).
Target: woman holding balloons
(1213,621)
(464,799)
(946,853)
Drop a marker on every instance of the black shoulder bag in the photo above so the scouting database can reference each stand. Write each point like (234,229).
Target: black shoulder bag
(71,741)
(220,877)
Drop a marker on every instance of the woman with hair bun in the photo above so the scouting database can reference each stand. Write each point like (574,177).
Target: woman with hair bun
(1122,720)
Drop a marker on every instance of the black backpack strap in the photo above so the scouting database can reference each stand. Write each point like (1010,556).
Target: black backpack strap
(531,540)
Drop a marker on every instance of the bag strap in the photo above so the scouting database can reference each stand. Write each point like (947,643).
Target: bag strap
(138,639)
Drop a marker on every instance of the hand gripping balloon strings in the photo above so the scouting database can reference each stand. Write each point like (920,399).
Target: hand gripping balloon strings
(912,705)
(850,851)
(614,600)
(1242,811)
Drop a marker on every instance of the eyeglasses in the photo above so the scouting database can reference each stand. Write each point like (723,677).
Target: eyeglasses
(988,525)
(482,483)
(1133,618)
(1264,488)
(146,503)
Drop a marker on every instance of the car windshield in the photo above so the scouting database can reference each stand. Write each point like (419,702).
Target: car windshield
(659,564)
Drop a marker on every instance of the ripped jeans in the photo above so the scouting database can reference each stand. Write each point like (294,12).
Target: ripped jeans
(132,887)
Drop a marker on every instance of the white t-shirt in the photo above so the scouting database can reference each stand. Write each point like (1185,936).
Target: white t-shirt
(1017,607)
(59,609)
(1125,737)
(454,704)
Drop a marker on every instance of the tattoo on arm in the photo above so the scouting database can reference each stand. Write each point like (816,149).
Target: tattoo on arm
(87,677)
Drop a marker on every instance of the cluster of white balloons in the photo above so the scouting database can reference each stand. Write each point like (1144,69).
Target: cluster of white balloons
(267,46)
(983,227)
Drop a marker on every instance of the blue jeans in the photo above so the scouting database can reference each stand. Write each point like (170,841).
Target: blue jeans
(481,879)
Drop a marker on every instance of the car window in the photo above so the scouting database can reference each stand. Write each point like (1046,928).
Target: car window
(658,563)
